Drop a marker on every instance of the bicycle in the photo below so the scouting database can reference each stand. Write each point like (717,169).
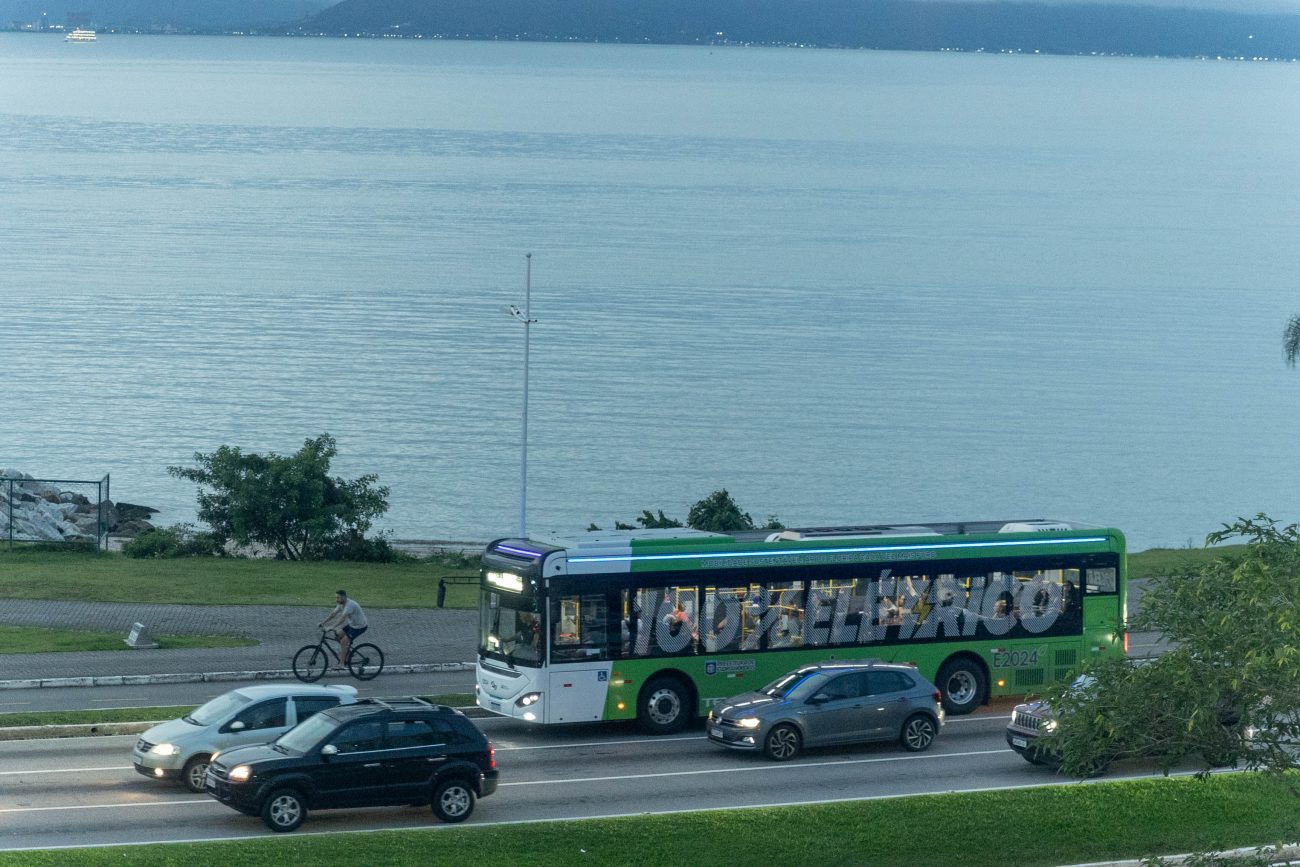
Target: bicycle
(310,663)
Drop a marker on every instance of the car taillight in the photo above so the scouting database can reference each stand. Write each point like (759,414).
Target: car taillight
(936,695)
(492,756)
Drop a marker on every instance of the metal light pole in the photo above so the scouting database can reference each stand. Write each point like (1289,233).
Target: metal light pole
(524,317)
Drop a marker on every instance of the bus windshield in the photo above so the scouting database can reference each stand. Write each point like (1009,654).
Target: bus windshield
(509,628)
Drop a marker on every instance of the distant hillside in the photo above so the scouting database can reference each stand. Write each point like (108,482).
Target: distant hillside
(890,24)
(185,15)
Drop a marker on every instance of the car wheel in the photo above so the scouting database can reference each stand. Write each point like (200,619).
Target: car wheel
(662,708)
(918,733)
(195,772)
(284,810)
(453,801)
(782,743)
(963,686)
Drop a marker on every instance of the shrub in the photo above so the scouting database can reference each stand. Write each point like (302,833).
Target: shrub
(178,540)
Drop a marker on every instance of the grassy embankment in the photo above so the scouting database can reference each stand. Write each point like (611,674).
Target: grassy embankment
(1048,825)
(151,714)
(33,639)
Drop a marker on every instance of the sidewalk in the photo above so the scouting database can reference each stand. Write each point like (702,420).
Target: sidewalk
(413,639)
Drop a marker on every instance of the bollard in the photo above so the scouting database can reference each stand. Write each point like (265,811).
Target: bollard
(442,592)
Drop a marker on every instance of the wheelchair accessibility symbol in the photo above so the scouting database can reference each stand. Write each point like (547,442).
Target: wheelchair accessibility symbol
(602,676)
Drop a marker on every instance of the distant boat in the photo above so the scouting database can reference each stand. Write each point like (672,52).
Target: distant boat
(80,35)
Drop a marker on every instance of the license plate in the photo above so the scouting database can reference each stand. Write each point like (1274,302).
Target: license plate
(1019,742)
(715,732)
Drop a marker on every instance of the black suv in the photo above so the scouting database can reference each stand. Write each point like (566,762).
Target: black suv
(372,753)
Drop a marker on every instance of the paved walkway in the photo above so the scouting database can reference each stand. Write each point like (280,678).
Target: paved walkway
(413,639)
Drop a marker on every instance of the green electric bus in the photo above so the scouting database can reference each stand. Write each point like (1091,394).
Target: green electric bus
(660,625)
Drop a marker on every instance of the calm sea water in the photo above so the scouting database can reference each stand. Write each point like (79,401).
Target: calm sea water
(845,285)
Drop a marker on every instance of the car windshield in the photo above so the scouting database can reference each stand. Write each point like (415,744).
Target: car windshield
(306,735)
(795,685)
(217,710)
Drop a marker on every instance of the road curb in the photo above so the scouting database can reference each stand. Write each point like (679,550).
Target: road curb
(1287,853)
(209,676)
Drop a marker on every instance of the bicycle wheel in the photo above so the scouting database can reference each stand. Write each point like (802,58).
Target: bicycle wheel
(309,663)
(365,661)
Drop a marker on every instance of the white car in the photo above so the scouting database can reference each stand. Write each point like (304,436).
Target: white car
(181,749)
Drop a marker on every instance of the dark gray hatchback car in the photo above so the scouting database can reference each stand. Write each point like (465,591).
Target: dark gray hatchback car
(828,704)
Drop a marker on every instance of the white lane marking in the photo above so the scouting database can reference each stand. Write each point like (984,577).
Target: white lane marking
(664,740)
(695,772)
(102,806)
(65,770)
(768,767)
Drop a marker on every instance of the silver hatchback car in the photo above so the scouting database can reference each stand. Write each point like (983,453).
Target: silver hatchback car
(828,704)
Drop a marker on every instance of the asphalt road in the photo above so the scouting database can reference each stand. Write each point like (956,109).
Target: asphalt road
(83,791)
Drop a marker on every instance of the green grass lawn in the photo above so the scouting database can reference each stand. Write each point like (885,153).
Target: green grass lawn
(35,639)
(1048,825)
(1159,562)
(150,714)
(111,577)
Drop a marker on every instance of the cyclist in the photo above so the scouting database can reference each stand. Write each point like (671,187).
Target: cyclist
(347,620)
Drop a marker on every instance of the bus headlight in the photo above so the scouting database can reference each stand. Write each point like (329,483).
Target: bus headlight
(529,699)
(749,722)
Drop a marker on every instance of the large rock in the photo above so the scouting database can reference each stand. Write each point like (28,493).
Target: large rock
(40,512)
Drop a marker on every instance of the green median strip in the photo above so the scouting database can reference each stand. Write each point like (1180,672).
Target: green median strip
(1047,825)
(37,639)
(149,714)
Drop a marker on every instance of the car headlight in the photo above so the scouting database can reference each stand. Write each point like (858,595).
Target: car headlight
(530,699)
(1049,725)
(163,749)
(749,722)
(241,773)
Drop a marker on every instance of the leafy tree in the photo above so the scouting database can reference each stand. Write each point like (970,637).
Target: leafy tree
(1291,340)
(718,513)
(290,504)
(1227,690)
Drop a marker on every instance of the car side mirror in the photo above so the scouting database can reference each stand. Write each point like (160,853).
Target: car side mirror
(328,751)
(237,726)
(819,698)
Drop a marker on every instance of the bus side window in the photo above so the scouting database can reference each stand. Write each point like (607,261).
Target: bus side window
(580,628)
(1101,580)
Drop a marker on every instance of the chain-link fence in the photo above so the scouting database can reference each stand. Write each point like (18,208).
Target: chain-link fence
(67,511)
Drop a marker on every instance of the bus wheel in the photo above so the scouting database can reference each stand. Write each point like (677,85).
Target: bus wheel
(963,685)
(663,706)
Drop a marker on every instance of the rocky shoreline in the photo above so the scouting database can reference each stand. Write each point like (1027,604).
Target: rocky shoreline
(32,510)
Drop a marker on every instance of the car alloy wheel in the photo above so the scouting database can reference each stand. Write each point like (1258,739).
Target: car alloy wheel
(283,810)
(782,743)
(918,733)
(453,801)
(194,774)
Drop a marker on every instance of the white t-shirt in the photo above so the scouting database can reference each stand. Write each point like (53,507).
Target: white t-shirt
(356,617)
